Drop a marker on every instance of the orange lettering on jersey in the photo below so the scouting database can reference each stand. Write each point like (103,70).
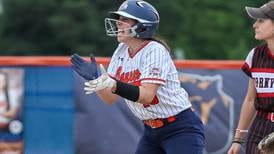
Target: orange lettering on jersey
(129,77)
(118,72)
(136,83)
(153,102)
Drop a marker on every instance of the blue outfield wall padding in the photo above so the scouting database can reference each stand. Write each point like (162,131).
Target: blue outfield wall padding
(48,110)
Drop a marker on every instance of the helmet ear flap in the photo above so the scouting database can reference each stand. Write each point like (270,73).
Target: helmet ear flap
(137,29)
(140,28)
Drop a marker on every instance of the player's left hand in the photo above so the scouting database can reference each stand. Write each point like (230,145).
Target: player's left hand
(102,82)
(87,70)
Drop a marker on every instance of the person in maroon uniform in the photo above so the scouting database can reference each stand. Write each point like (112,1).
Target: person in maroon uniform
(257,113)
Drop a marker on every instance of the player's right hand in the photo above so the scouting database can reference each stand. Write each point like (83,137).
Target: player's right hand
(85,69)
(234,149)
(102,82)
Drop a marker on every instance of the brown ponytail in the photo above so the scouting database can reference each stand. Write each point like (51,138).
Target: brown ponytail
(161,41)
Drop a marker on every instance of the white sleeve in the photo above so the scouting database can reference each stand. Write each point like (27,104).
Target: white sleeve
(246,68)
(249,58)
(155,65)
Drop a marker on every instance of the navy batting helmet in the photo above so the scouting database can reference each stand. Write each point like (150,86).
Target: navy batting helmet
(144,13)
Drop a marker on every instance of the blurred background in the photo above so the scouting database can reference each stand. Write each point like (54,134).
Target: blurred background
(58,118)
(194,29)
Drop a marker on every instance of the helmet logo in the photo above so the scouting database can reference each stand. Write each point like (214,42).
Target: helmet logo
(123,6)
(144,4)
(140,3)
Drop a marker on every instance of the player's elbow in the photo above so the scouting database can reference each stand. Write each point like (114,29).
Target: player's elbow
(146,99)
(147,93)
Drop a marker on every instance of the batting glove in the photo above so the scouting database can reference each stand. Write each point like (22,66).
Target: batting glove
(87,70)
(102,82)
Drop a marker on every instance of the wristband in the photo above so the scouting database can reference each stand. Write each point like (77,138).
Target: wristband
(241,130)
(239,142)
(128,91)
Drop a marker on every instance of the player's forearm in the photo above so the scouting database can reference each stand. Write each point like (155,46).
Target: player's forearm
(248,109)
(107,96)
(143,94)
(246,117)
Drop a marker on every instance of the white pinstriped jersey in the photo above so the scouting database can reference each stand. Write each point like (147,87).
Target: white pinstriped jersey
(151,64)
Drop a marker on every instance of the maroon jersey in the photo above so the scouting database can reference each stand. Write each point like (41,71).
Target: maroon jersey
(259,65)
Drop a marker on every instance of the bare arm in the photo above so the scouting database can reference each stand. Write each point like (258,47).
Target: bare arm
(104,86)
(146,95)
(246,117)
(247,110)
(107,96)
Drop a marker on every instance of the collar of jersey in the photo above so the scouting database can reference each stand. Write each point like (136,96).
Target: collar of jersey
(270,53)
(139,49)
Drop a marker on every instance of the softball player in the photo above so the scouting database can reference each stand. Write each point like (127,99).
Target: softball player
(259,100)
(141,71)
